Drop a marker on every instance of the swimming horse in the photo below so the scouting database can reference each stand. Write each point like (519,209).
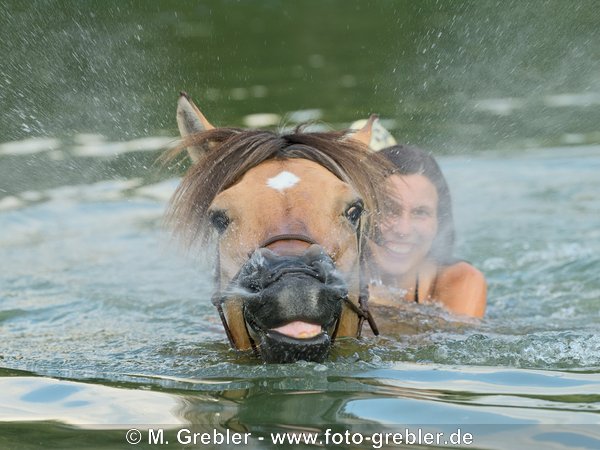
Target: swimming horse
(290,214)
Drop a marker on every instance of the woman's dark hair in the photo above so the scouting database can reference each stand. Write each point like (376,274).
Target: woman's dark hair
(411,161)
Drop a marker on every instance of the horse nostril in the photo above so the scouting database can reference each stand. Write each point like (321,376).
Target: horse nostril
(316,258)
(314,253)
(264,252)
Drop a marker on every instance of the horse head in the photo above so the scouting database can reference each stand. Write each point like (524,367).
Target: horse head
(288,215)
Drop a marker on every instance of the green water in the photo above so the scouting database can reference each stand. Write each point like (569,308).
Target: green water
(105,325)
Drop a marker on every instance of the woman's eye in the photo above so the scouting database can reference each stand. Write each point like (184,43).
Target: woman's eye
(219,220)
(354,212)
(422,212)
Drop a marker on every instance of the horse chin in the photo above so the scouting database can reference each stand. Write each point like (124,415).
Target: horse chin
(293,319)
(279,348)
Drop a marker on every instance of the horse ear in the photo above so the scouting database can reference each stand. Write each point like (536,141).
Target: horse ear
(191,121)
(372,133)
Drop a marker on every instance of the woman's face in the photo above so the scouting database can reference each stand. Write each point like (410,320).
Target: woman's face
(408,233)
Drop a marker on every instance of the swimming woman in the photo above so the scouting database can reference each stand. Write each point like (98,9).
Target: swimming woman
(412,258)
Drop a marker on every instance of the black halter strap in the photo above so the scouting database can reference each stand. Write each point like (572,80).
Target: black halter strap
(218,299)
(417,289)
(363,293)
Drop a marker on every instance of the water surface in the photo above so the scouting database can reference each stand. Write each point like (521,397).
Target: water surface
(106,325)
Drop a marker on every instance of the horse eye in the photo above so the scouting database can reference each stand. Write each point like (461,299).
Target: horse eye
(354,211)
(219,220)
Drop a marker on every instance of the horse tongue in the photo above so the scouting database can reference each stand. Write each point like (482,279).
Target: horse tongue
(299,330)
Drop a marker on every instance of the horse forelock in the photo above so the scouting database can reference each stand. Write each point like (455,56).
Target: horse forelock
(232,152)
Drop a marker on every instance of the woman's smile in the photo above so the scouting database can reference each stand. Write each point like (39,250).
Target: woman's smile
(399,248)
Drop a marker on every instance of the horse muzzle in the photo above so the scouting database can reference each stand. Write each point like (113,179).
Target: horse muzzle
(291,305)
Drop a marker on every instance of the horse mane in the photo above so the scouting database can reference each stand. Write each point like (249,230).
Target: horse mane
(231,152)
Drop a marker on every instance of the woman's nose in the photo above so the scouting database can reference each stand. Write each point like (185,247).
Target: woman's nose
(400,224)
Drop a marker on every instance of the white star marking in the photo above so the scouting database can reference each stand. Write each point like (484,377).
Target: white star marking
(283,181)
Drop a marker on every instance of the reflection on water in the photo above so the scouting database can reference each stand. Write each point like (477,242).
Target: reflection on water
(499,404)
(29,399)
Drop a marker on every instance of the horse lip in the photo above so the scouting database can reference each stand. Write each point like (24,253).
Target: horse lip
(278,348)
(320,338)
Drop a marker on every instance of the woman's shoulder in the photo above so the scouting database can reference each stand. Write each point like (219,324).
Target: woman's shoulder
(460,272)
(462,288)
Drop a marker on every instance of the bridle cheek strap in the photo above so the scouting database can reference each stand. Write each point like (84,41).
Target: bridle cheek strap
(238,338)
(353,315)
(361,310)
(363,296)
